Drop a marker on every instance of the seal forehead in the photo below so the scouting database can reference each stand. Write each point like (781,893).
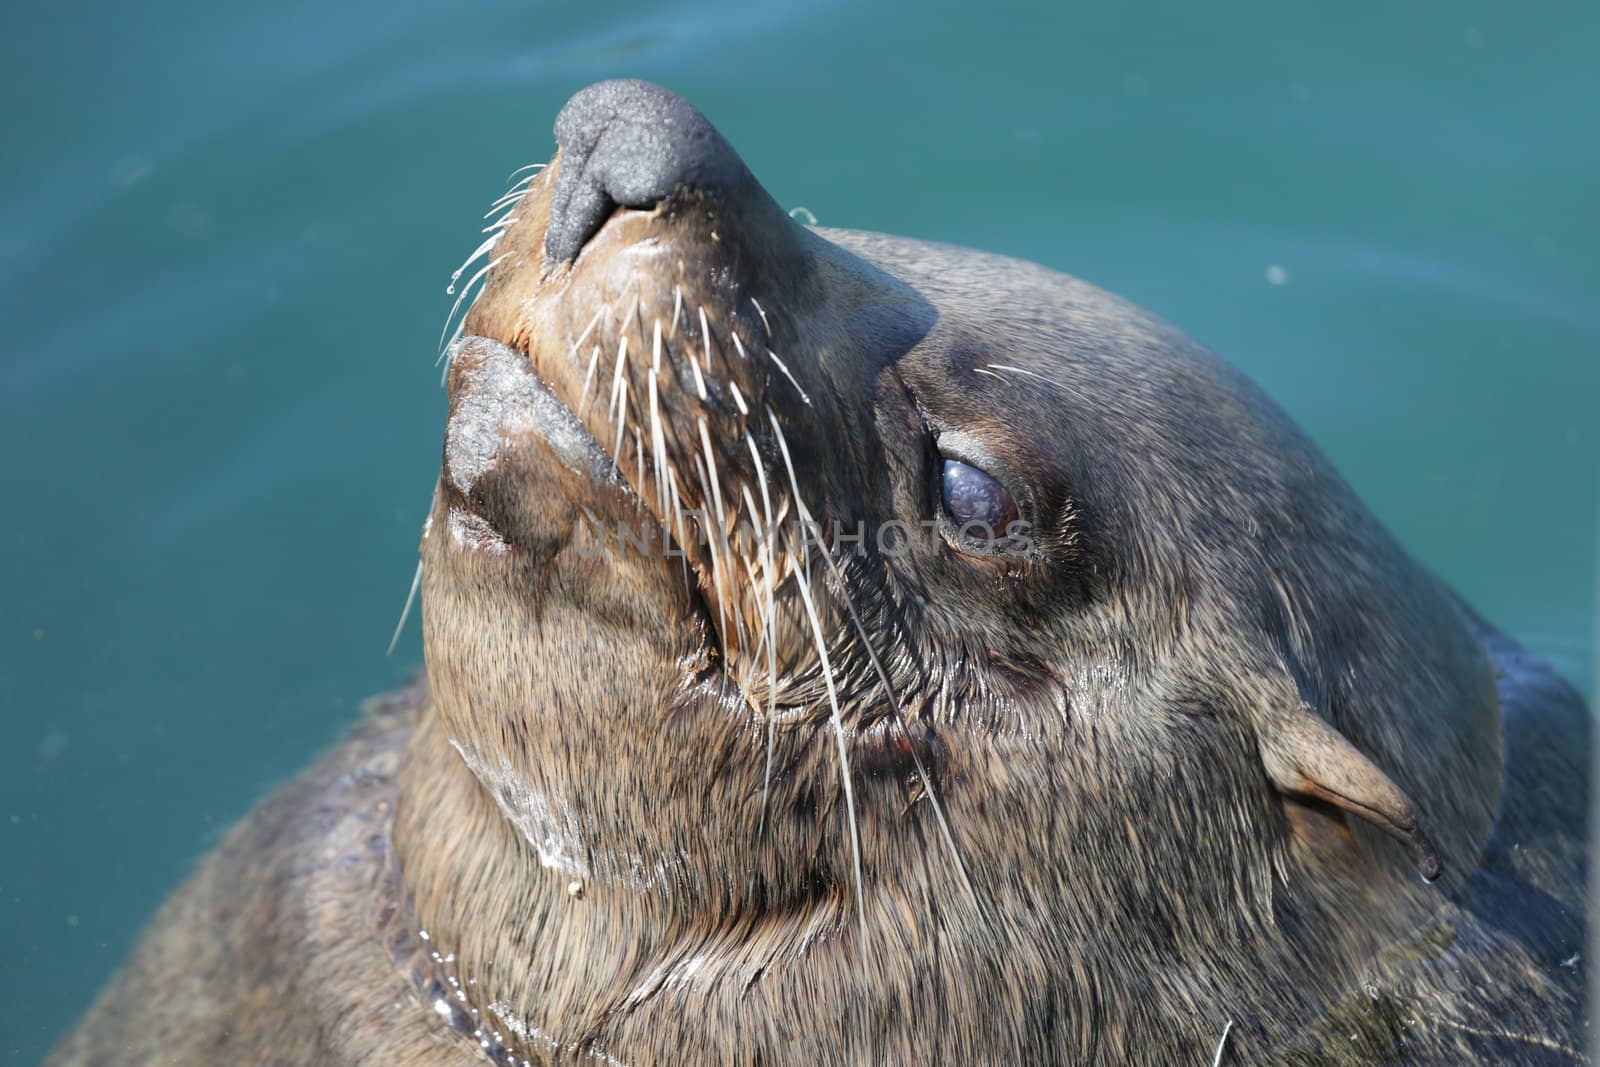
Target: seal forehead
(1091,387)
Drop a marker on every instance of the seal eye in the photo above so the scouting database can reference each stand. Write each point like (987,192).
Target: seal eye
(981,508)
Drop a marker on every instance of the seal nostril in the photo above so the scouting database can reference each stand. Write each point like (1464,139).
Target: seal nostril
(633,144)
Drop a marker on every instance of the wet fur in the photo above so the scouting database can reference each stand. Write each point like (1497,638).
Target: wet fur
(581,809)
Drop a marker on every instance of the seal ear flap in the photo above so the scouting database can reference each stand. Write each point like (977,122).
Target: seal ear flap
(1306,757)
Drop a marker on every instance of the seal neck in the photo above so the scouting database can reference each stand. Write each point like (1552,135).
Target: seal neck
(518,942)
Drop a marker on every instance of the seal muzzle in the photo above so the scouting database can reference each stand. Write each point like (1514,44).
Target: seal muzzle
(631,144)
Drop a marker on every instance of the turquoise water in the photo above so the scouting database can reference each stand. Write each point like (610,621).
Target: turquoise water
(225,232)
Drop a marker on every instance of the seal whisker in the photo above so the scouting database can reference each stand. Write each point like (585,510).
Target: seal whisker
(1222,1044)
(803,519)
(502,212)
(766,643)
(770,568)
(535,167)
(705,341)
(482,250)
(818,640)
(1535,1040)
(658,441)
(462,296)
(593,322)
(699,381)
(763,313)
(677,309)
(638,452)
(635,305)
(784,367)
(900,720)
(769,636)
(588,381)
(507,202)
(618,384)
(761,531)
(720,514)
(517,191)
(844,757)
(405,612)
(1026,371)
(766,508)
(716,481)
(712,547)
(621,419)
(445,358)
(678,525)
(877,665)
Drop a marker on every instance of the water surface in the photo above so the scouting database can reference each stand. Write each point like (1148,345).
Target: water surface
(225,232)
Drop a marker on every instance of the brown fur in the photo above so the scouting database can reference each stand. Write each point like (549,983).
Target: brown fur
(1144,737)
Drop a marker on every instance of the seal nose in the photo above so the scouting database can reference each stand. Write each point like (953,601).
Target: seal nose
(633,144)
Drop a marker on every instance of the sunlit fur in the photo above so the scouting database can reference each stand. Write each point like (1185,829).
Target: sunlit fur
(1132,882)
(763,802)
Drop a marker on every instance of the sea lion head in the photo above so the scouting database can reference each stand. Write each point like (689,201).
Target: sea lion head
(919,629)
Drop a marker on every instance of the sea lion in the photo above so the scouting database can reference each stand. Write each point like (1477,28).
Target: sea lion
(843,649)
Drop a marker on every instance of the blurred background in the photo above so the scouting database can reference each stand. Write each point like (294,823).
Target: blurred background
(226,231)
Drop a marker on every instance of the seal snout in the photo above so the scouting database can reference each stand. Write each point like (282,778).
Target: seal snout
(631,144)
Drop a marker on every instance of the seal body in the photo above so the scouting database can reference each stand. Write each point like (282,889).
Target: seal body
(843,649)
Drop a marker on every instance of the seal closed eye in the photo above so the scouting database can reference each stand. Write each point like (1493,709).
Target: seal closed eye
(843,649)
